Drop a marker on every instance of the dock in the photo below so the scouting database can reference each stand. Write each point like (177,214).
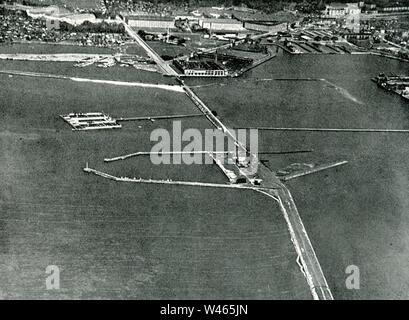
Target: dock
(255,64)
(267,183)
(89,170)
(367,130)
(153,118)
(279,192)
(90,121)
(219,161)
(100,121)
(308,171)
(147,153)
(394,83)
(165,67)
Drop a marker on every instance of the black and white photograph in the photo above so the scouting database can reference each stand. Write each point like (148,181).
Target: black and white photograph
(204,150)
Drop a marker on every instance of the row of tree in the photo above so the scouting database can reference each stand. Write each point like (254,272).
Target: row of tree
(86,26)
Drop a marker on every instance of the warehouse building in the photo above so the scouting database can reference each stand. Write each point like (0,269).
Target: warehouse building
(200,68)
(265,26)
(151,22)
(229,25)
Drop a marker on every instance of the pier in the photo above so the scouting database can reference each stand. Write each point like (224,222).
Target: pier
(286,151)
(282,47)
(99,121)
(169,87)
(89,170)
(219,161)
(166,68)
(368,130)
(144,153)
(308,171)
(148,153)
(299,236)
(256,64)
(268,184)
(90,121)
(176,116)
(278,191)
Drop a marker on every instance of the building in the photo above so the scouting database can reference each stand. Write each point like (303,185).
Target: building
(265,26)
(353,17)
(353,9)
(200,68)
(341,10)
(151,22)
(394,9)
(229,25)
(357,36)
(190,19)
(335,10)
(53,13)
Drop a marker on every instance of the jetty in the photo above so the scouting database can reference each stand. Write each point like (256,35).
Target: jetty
(153,118)
(147,153)
(368,130)
(255,64)
(258,177)
(90,121)
(307,171)
(278,191)
(89,170)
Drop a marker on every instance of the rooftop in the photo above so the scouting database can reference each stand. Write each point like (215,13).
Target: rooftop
(337,5)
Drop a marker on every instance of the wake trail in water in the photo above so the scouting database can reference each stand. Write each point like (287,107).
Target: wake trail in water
(342,91)
(209,85)
(345,93)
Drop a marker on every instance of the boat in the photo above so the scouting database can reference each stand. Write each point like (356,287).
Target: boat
(405,93)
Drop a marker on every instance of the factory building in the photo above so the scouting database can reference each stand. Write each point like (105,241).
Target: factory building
(340,10)
(265,26)
(191,19)
(229,25)
(146,22)
(395,9)
(53,13)
(335,10)
(201,68)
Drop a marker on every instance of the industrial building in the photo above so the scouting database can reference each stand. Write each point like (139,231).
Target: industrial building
(212,65)
(265,26)
(229,25)
(201,68)
(394,9)
(151,22)
(55,14)
(340,10)
(90,121)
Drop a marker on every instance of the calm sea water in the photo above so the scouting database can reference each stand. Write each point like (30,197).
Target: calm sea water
(356,214)
(126,241)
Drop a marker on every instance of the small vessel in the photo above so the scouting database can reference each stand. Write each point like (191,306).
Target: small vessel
(405,93)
